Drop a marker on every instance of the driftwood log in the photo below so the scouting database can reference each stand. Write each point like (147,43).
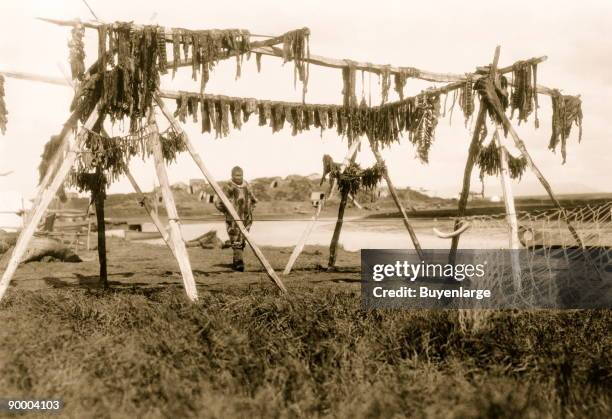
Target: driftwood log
(39,248)
(208,240)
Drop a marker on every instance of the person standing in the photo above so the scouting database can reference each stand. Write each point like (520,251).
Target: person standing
(242,198)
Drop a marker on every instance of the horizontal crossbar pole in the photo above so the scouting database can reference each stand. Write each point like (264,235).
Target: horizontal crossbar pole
(172,94)
(267,48)
(167,31)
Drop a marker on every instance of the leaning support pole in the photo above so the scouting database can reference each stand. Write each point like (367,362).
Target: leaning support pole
(64,135)
(180,251)
(144,201)
(492,98)
(313,221)
(467,176)
(398,203)
(514,243)
(56,160)
(198,160)
(46,197)
(301,242)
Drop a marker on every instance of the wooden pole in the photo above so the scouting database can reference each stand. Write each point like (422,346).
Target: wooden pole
(267,47)
(38,211)
(398,203)
(513,237)
(24,214)
(297,249)
(155,198)
(492,98)
(144,201)
(514,242)
(313,221)
(302,240)
(53,165)
(469,163)
(20,75)
(176,237)
(98,196)
(167,31)
(67,129)
(377,68)
(171,94)
(224,199)
(333,247)
(88,226)
(467,175)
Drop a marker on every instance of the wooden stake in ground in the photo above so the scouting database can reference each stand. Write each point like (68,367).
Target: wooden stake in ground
(38,211)
(180,251)
(98,195)
(198,160)
(313,221)
(513,238)
(398,203)
(333,247)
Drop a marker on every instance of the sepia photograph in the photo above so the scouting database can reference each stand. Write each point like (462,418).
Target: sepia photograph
(347,209)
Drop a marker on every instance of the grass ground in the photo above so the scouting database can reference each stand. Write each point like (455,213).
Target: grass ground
(140,350)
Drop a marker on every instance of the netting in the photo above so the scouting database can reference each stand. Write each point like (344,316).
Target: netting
(546,228)
(555,271)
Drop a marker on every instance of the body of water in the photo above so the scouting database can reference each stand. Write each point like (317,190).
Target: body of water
(356,234)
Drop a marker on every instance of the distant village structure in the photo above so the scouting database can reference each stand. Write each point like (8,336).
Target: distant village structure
(196,186)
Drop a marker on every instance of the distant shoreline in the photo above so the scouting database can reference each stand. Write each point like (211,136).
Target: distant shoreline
(485,208)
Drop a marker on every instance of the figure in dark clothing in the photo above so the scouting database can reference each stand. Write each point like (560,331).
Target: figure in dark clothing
(242,198)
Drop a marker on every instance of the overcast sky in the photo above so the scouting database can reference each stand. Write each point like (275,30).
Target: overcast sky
(448,36)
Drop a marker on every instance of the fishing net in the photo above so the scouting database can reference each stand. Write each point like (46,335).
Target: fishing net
(555,271)
(547,229)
